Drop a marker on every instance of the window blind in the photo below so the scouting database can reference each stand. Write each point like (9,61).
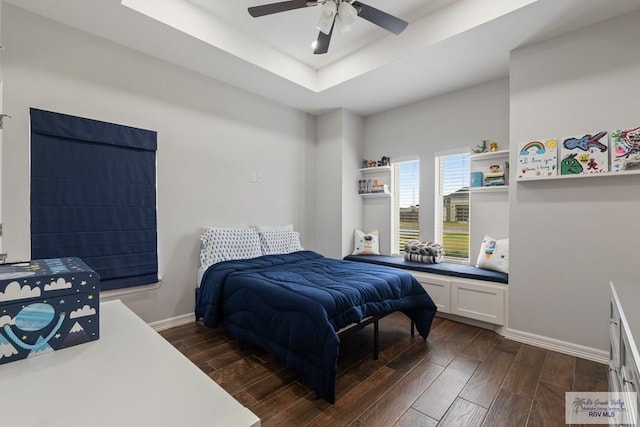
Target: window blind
(452,205)
(93,196)
(407,203)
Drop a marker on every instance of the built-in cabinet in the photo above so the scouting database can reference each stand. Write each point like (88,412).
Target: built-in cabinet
(375,182)
(488,205)
(378,206)
(468,298)
(624,331)
(482,163)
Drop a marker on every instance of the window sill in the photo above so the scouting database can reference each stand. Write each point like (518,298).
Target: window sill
(116,293)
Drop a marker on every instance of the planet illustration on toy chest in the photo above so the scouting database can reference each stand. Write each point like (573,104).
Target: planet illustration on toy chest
(34,317)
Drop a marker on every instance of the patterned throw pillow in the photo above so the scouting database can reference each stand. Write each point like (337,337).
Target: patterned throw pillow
(224,244)
(421,251)
(279,241)
(494,254)
(366,243)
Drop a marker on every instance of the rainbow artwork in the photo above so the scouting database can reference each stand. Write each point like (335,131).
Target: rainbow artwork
(585,154)
(538,158)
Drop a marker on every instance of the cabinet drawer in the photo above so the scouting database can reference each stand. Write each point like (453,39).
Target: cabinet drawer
(477,300)
(438,289)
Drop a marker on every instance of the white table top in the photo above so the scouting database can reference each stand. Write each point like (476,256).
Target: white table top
(131,376)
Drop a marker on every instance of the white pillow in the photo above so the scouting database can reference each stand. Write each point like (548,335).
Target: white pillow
(366,243)
(494,254)
(224,244)
(280,241)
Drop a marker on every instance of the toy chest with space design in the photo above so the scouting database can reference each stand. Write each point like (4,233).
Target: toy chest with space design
(47,305)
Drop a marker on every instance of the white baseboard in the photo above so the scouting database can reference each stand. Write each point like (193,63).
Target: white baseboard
(172,322)
(558,345)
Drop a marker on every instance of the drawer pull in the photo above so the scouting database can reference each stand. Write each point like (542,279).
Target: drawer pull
(626,381)
(612,369)
(613,321)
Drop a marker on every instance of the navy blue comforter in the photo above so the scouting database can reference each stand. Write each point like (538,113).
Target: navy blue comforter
(292,305)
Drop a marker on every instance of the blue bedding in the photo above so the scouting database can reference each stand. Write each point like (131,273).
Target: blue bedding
(292,305)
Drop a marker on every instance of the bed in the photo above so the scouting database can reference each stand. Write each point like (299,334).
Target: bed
(293,304)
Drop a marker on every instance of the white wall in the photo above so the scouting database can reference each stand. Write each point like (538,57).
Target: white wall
(456,121)
(569,238)
(352,207)
(211,136)
(339,146)
(328,183)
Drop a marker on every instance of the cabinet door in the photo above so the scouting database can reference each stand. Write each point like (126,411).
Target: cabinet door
(629,368)
(478,300)
(614,336)
(438,288)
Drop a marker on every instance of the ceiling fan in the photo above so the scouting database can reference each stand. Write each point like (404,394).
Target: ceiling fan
(335,13)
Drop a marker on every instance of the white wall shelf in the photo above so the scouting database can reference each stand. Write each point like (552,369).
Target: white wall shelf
(376,169)
(592,175)
(490,189)
(385,194)
(489,155)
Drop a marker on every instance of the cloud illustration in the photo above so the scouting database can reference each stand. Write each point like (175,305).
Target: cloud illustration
(7,350)
(6,320)
(15,291)
(57,285)
(82,312)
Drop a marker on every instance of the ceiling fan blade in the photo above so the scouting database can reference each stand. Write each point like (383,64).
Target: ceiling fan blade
(380,18)
(283,6)
(323,40)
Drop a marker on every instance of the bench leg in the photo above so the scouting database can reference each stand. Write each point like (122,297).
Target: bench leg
(376,342)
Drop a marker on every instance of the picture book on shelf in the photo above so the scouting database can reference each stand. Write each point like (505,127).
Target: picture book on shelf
(625,149)
(587,154)
(538,158)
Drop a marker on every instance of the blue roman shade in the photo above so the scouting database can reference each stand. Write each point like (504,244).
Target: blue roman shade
(93,196)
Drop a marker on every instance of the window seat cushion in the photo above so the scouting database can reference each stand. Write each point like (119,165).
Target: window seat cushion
(445,268)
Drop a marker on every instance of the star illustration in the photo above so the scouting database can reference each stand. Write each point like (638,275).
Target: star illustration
(24,338)
(84,282)
(38,282)
(57,336)
(90,297)
(61,302)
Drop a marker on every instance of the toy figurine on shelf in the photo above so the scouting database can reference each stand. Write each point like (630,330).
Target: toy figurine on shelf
(481,148)
(493,146)
(495,176)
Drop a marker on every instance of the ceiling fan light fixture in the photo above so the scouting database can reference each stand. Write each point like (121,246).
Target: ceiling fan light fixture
(327,16)
(347,14)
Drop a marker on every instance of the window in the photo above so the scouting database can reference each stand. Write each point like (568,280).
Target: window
(406,203)
(452,206)
(93,196)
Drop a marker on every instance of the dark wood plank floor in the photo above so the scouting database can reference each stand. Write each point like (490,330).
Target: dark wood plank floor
(462,376)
